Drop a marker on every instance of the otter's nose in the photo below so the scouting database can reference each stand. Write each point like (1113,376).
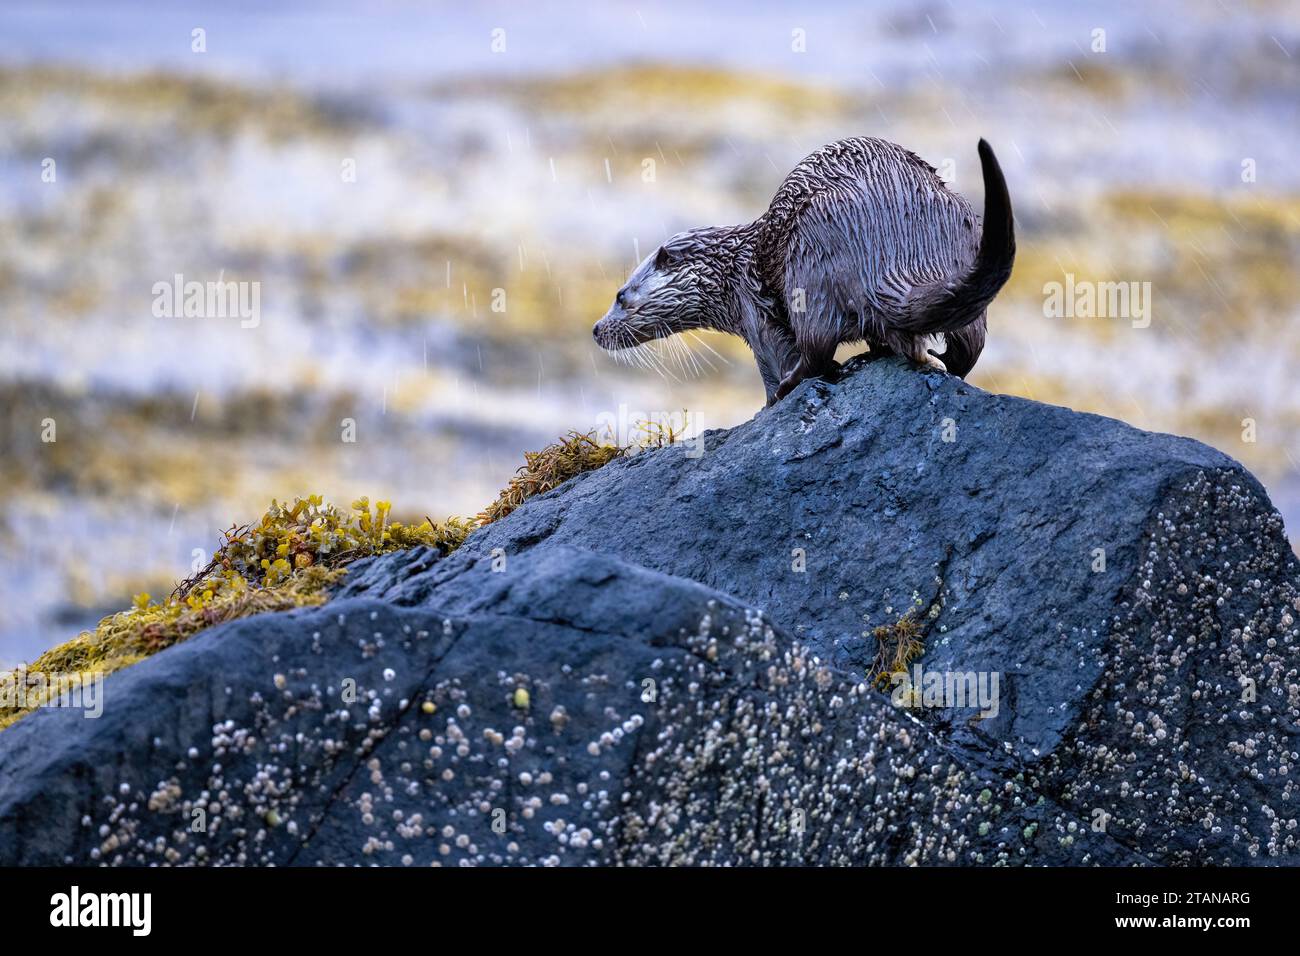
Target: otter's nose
(595,331)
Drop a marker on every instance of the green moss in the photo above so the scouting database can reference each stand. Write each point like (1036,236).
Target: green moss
(292,538)
(126,637)
(291,558)
(295,555)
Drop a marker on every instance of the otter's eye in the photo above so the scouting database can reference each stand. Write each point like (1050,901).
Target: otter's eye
(621,298)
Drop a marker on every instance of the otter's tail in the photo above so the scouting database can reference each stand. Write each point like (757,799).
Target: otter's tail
(956,302)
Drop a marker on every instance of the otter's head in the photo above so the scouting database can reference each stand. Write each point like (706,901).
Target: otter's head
(678,287)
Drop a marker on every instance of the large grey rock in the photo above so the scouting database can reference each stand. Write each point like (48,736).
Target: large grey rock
(1133,593)
(664,724)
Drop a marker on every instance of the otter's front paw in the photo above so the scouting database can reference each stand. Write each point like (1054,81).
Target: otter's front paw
(787,385)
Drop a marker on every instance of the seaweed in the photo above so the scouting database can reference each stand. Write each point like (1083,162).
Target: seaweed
(294,556)
(547,469)
(897,645)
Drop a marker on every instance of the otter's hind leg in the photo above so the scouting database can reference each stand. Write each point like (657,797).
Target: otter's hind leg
(913,347)
(962,348)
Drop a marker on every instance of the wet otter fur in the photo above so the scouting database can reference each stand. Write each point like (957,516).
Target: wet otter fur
(862,243)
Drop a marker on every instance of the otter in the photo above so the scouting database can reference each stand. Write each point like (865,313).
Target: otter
(863,242)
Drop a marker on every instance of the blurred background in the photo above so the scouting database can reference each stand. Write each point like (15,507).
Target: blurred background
(388,175)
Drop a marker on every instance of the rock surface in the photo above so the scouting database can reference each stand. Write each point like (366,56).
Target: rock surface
(665,661)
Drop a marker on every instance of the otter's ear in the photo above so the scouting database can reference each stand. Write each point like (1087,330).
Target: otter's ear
(662,259)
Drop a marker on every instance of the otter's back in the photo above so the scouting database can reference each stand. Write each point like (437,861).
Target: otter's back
(862,221)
